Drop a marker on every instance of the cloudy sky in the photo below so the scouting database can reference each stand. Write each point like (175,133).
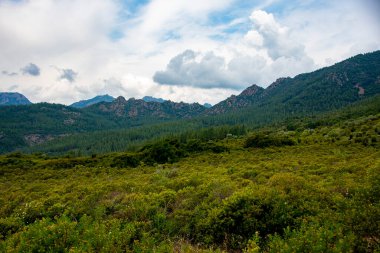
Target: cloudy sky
(193,51)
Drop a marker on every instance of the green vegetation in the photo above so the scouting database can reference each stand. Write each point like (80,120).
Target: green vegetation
(205,128)
(193,193)
(111,178)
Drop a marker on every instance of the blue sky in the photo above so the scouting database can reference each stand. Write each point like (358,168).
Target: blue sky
(192,51)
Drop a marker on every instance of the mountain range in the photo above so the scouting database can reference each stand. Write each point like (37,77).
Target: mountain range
(108,98)
(326,89)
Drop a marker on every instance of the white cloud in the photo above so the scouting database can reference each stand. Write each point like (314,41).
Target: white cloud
(275,38)
(266,52)
(254,38)
(198,70)
(336,29)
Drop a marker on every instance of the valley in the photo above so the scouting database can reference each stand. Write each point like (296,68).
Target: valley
(291,168)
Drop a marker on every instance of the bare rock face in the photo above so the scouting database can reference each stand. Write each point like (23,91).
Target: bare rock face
(250,91)
(35,139)
(244,99)
(277,83)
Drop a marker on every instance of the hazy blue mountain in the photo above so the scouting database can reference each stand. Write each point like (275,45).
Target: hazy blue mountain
(95,100)
(13,98)
(153,99)
(207,105)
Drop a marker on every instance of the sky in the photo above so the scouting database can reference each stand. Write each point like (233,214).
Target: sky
(192,51)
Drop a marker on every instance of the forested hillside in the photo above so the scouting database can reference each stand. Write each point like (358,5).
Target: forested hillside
(101,142)
(322,90)
(28,125)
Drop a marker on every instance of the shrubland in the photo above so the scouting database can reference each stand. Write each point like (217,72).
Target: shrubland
(277,189)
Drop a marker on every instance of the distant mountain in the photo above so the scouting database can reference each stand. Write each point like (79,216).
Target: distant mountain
(13,98)
(207,105)
(88,102)
(139,110)
(153,99)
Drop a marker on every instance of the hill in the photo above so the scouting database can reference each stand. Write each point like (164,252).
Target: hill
(28,125)
(13,98)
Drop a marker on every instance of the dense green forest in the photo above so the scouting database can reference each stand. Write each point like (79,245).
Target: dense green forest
(309,186)
(210,127)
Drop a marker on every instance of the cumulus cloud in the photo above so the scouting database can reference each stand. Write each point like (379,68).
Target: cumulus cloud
(68,74)
(31,69)
(266,53)
(198,70)
(273,37)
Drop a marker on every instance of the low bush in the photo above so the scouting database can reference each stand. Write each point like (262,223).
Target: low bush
(262,140)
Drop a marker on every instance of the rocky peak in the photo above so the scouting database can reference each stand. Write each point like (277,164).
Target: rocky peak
(121,100)
(251,90)
(277,83)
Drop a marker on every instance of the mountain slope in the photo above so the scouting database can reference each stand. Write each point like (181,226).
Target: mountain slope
(138,110)
(29,125)
(322,90)
(26,125)
(95,100)
(247,98)
(101,142)
(13,98)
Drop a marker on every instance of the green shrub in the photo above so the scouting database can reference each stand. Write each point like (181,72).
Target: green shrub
(126,160)
(313,238)
(261,140)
